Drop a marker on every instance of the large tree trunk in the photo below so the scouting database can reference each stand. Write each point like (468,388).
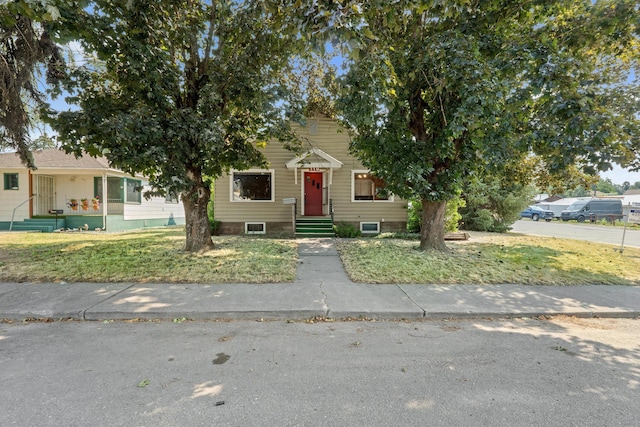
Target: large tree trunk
(196,220)
(432,228)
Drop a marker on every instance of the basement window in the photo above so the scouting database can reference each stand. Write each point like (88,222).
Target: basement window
(255,227)
(370,227)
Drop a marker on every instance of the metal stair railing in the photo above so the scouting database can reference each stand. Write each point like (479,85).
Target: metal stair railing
(15,209)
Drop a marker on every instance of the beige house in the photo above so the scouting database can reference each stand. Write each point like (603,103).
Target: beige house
(306,194)
(70,192)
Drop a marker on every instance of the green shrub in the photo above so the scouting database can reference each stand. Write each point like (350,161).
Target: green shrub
(346,229)
(479,220)
(493,204)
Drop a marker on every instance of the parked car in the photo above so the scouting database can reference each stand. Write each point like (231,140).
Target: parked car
(593,210)
(535,213)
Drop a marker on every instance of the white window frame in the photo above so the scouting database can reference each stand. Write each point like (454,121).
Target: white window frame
(273,185)
(139,183)
(247,224)
(363,231)
(354,172)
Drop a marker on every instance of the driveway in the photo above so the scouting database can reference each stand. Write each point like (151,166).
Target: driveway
(583,231)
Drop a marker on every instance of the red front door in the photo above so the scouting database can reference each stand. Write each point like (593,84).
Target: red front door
(313,194)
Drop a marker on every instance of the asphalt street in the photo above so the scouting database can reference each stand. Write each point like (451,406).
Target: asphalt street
(558,372)
(585,231)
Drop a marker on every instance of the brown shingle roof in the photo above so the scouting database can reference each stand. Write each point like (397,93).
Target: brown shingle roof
(52,158)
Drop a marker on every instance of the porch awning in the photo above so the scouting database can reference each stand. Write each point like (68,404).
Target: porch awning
(314,158)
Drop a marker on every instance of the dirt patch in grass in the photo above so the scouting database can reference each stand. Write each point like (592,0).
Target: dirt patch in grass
(490,258)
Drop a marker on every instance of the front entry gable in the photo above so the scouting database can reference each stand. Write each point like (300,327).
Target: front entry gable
(314,159)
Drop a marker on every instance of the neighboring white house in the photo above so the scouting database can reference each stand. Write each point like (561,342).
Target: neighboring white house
(78,191)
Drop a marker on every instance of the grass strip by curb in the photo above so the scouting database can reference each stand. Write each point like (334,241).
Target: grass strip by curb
(491,259)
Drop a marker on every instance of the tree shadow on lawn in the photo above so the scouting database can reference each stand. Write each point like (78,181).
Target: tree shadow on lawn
(138,257)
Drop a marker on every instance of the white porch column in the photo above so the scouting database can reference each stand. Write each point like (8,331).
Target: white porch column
(103,197)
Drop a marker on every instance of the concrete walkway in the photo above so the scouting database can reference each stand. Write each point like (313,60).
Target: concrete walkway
(322,288)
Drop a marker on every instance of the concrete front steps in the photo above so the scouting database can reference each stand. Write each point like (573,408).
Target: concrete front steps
(38,224)
(314,226)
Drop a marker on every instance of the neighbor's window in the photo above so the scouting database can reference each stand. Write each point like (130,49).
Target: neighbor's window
(134,191)
(256,186)
(115,189)
(171,198)
(10,181)
(368,187)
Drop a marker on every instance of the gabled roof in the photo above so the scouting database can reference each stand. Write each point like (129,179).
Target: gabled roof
(314,158)
(53,158)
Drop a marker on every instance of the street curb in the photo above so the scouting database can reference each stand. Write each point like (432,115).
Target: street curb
(300,315)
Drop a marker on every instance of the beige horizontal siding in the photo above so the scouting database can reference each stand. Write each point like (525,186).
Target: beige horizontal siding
(332,142)
(11,199)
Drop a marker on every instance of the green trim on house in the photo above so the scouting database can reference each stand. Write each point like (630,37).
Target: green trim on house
(11,181)
(114,223)
(118,223)
(79,221)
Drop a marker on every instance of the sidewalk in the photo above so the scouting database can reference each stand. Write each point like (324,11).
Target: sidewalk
(322,289)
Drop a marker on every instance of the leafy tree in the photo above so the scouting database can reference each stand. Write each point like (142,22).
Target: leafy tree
(26,48)
(43,141)
(439,92)
(183,91)
(624,187)
(606,186)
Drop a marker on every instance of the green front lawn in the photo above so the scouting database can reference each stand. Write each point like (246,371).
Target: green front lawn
(143,256)
(489,258)
(157,256)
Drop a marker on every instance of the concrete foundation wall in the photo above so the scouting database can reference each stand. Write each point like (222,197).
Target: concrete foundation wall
(281,229)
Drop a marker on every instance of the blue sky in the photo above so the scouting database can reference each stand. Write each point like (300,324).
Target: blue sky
(619,175)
